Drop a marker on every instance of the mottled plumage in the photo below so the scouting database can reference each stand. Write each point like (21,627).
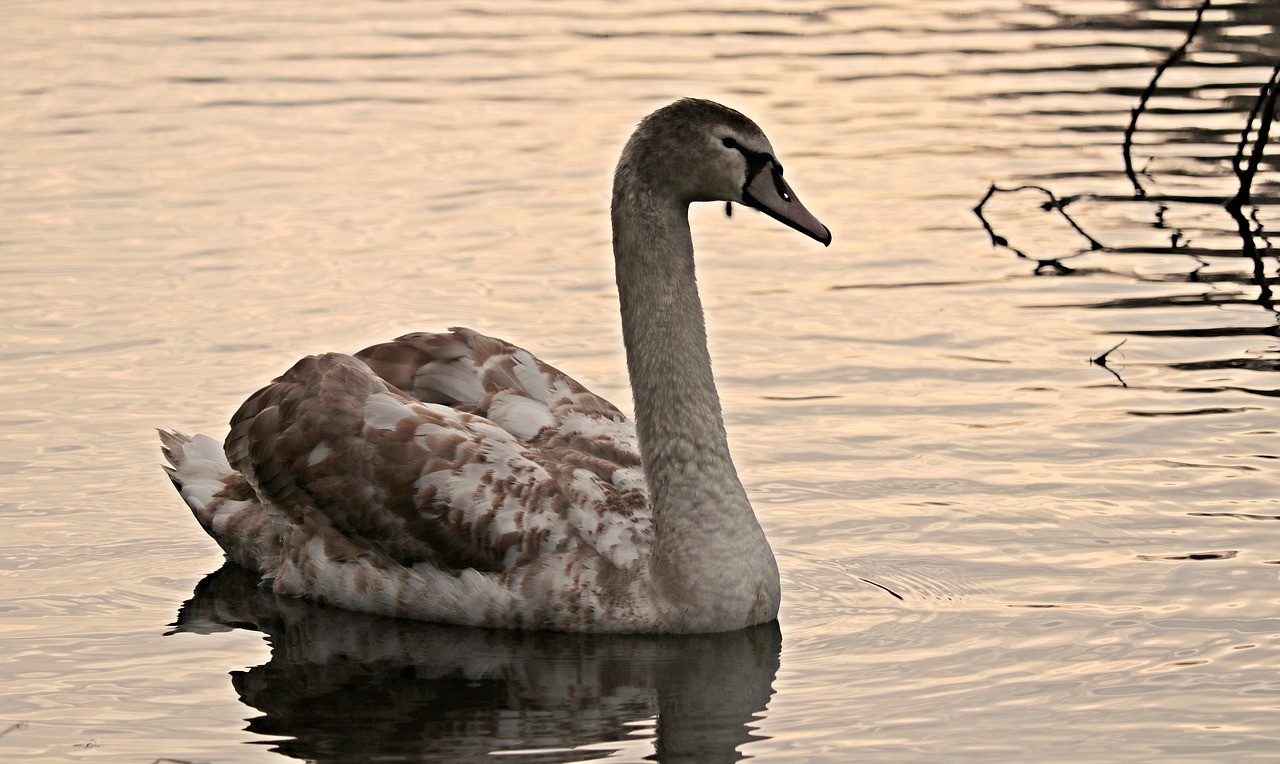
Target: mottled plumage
(455,477)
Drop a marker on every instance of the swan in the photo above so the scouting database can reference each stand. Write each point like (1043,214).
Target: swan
(454,477)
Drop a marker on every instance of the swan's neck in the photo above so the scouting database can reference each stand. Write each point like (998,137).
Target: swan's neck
(711,560)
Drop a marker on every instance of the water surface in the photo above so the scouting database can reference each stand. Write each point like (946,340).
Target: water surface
(990,547)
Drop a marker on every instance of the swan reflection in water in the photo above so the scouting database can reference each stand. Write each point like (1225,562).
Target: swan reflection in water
(343,686)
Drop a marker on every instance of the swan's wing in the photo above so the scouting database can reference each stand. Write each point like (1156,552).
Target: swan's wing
(530,399)
(424,483)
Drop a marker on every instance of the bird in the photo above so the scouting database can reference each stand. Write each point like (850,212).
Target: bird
(454,477)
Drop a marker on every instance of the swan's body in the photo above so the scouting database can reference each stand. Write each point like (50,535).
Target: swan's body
(454,477)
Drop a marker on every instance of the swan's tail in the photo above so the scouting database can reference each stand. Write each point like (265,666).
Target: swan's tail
(222,500)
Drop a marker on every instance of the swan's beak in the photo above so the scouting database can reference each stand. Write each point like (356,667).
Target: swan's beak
(770,194)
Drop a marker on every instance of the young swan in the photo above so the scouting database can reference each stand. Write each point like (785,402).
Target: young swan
(455,477)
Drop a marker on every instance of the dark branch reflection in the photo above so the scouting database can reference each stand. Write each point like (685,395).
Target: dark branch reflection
(348,687)
(1234,258)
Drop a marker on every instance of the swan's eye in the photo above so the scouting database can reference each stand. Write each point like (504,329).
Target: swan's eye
(779,186)
(730,143)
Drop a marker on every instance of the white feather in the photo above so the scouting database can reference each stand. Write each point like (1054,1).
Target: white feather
(384,411)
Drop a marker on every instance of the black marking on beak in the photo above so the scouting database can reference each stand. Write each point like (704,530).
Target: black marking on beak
(781,187)
(798,217)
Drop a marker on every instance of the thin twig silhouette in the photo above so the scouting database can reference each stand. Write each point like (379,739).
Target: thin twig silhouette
(1264,111)
(1101,360)
(1135,112)
(881,586)
(1054,204)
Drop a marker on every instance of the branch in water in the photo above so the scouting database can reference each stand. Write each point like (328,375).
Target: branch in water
(1264,111)
(1102,361)
(881,586)
(1053,205)
(1127,148)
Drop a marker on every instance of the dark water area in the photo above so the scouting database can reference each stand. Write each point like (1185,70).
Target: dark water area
(1020,479)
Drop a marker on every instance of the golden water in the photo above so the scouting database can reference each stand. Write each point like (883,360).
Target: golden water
(194,194)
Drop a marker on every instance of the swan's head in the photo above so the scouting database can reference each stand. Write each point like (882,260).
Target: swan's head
(700,151)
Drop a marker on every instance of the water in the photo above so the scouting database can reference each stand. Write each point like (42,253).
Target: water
(1085,565)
